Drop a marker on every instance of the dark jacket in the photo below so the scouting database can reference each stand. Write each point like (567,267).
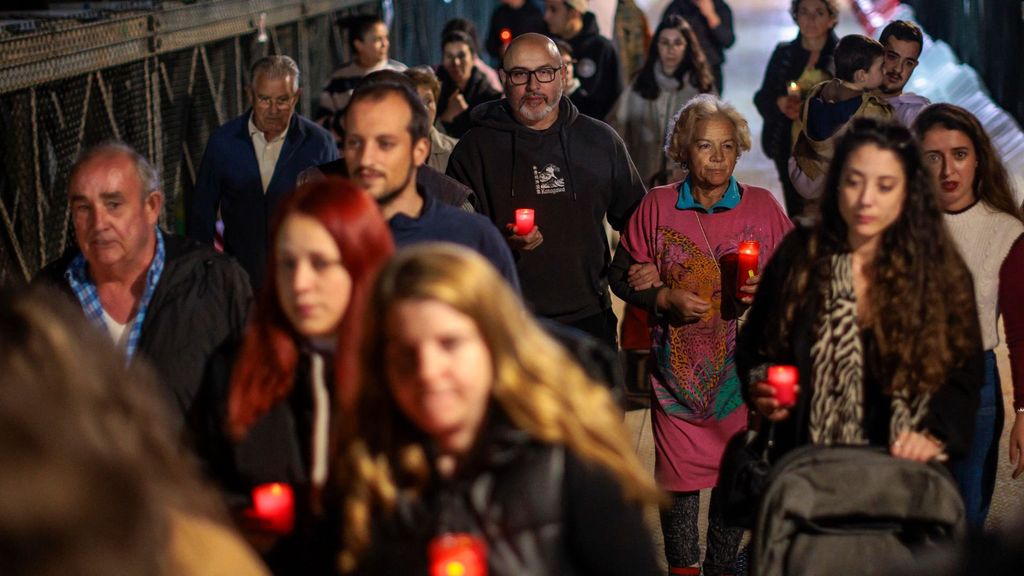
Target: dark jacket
(573,174)
(786,65)
(597,67)
(541,509)
(714,42)
(200,303)
(278,448)
(229,179)
(950,412)
(478,90)
(526,18)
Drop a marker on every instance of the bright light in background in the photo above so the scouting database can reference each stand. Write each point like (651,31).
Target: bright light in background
(787,33)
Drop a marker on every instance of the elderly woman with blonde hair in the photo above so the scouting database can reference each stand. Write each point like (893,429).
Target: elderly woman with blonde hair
(678,260)
(478,440)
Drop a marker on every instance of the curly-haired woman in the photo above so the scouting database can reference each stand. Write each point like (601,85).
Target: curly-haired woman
(874,306)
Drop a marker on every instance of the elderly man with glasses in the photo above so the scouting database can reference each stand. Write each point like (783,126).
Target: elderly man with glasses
(252,162)
(533,149)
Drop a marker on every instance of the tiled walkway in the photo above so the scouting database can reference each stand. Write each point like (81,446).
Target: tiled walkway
(759,25)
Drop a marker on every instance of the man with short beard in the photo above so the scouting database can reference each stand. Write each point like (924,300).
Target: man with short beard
(533,149)
(903,42)
(386,141)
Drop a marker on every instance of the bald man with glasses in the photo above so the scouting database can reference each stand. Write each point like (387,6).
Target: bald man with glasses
(533,149)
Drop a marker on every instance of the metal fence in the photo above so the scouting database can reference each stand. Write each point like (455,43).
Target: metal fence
(161,80)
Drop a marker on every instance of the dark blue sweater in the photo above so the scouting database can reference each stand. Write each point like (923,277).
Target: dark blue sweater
(443,223)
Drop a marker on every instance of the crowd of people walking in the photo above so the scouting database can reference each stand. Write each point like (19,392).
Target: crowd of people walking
(386,344)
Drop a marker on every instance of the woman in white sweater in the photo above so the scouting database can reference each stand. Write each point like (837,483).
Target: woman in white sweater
(988,226)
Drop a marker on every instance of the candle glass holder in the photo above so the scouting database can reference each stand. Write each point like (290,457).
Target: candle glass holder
(783,379)
(524,221)
(747,259)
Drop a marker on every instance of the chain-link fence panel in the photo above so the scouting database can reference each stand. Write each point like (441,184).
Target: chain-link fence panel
(161,80)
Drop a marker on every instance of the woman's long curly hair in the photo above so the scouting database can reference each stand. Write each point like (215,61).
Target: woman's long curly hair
(923,310)
(264,372)
(542,390)
(694,66)
(991,181)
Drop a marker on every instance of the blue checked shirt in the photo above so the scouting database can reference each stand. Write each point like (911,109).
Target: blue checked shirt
(84,288)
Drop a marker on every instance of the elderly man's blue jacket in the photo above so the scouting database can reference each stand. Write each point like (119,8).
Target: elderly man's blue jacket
(229,179)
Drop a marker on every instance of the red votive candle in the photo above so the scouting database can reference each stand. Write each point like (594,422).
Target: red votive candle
(524,221)
(458,554)
(746,264)
(783,379)
(274,506)
(505,36)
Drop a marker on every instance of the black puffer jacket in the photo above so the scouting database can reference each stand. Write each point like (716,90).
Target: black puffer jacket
(541,510)
(200,303)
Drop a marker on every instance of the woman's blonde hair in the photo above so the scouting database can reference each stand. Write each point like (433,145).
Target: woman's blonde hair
(540,387)
(703,107)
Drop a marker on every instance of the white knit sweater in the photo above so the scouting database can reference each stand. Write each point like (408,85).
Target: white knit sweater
(985,236)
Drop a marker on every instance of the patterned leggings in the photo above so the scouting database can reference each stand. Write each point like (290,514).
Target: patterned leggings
(682,536)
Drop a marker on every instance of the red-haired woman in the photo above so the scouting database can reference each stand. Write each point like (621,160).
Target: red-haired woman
(268,418)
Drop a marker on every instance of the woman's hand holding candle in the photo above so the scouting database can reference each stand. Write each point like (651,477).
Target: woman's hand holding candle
(774,396)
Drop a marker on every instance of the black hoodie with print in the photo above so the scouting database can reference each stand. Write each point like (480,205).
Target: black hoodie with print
(572,174)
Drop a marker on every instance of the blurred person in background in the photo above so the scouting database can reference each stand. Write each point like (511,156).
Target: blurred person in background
(510,19)
(793,69)
(466,25)
(674,72)
(463,85)
(711,21)
(597,62)
(368,43)
(94,480)
(429,89)
(251,164)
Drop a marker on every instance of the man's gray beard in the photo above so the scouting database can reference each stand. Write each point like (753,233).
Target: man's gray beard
(540,115)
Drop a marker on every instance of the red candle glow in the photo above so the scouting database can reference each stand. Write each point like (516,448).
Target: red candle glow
(524,221)
(746,265)
(274,506)
(783,379)
(458,555)
(505,35)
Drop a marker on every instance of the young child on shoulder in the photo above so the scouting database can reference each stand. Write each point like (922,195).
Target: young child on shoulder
(831,105)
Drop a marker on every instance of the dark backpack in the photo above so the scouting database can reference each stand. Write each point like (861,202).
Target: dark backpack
(852,511)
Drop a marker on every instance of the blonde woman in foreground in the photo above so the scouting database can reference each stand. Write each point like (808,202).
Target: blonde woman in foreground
(473,422)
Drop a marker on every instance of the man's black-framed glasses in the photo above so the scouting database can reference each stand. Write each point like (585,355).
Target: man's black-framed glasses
(519,76)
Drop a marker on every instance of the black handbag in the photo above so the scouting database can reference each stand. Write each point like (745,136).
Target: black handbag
(743,475)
